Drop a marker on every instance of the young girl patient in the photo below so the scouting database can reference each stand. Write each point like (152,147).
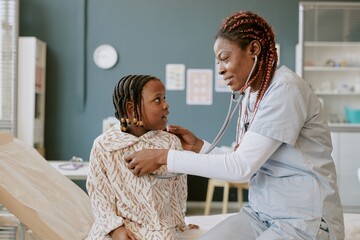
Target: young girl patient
(126,206)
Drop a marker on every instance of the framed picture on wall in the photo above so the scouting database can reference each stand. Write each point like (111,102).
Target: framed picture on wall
(199,88)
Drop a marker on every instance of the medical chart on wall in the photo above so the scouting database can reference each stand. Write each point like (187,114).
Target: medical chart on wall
(175,76)
(199,90)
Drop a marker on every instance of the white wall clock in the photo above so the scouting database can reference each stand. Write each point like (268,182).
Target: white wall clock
(105,56)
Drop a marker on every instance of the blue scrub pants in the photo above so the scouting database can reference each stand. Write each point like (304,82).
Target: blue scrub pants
(246,225)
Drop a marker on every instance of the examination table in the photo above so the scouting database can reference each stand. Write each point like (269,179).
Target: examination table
(43,204)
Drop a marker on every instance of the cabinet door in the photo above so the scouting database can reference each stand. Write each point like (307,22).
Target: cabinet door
(346,155)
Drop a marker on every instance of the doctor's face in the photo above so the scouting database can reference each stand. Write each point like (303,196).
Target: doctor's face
(234,63)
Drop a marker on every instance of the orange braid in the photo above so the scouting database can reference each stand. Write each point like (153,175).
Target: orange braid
(244,27)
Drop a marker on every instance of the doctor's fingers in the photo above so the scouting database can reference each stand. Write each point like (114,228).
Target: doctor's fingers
(138,171)
(131,236)
(136,167)
(129,157)
(177,129)
(132,164)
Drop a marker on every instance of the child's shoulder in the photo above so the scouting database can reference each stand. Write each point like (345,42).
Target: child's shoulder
(113,140)
(169,139)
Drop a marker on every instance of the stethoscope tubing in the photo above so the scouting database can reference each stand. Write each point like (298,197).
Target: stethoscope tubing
(228,118)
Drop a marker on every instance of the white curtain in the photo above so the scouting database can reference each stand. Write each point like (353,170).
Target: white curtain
(8,64)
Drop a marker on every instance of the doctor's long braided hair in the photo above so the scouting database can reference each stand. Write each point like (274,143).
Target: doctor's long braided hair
(244,27)
(129,88)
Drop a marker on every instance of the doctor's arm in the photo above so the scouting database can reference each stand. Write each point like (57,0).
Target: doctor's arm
(155,158)
(254,150)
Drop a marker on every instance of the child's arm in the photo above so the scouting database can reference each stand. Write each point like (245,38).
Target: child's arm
(102,198)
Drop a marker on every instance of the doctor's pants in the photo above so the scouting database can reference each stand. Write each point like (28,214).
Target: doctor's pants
(246,225)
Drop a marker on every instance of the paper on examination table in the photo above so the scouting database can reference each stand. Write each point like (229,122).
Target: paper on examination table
(45,201)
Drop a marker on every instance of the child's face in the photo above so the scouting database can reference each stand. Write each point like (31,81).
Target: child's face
(154,106)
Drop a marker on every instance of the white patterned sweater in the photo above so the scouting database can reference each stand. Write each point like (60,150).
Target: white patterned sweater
(150,207)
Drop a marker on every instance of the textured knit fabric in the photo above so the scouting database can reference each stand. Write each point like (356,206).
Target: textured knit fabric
(150,207)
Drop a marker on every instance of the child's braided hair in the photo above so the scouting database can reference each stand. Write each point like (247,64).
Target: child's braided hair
(129,88)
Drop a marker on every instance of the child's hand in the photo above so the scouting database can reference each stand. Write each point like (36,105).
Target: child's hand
(121,233)
(193,226)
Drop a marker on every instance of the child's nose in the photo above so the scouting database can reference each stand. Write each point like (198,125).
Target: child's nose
(166,105)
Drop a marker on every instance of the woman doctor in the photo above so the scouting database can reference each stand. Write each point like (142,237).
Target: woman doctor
(283,144)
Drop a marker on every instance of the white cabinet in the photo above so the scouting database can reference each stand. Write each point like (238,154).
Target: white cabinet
(328,57)
(346,155)
(31,92)
(333,71)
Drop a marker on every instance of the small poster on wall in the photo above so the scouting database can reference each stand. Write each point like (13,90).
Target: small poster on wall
(175,76)
(199,90)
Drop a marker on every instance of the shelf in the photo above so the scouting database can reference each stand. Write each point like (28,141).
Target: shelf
(331,44)
(326,68)
(336,94)
(344,127)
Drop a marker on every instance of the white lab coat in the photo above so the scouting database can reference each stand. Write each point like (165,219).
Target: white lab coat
(295,185)
(298,182)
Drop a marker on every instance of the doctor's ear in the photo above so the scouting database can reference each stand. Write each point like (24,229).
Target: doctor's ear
(255,48)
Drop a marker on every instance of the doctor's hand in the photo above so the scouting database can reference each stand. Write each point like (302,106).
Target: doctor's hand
(146,161)
(189,141)
(121,233)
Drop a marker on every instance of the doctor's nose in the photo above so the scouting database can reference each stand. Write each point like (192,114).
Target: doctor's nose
(221,69)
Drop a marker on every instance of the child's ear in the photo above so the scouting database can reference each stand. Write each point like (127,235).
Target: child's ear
(130,108)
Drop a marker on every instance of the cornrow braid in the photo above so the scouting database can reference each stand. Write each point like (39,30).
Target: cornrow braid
(129,88)
(244,27)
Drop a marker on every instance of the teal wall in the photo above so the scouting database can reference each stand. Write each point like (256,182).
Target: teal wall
(147,34)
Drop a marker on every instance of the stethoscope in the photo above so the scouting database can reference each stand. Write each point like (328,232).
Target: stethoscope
(73,164)
(234,99)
